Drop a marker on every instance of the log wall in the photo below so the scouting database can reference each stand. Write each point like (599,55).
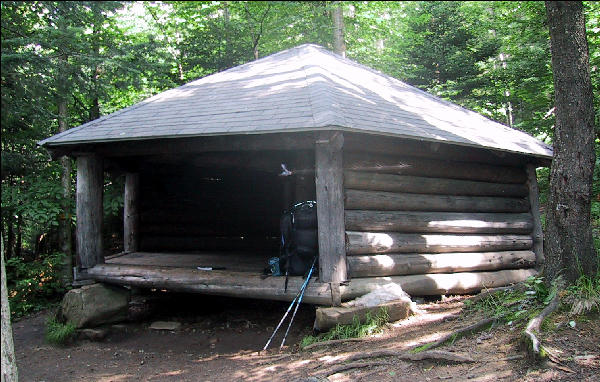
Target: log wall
(409,216)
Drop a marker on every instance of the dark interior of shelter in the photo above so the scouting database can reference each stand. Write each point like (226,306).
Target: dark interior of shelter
(225,206)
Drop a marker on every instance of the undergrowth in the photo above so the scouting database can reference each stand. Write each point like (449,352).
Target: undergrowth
(35,285)
(584,295)
(517,305)
(58,333)
(358,328)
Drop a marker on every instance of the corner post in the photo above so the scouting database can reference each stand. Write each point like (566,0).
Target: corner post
(131,214)
(534,202)
(330,211)
(90,181)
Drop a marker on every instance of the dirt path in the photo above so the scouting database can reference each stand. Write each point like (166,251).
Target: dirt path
(220,338)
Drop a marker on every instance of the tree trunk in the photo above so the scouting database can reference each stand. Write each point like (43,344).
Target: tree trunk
(339,46)
(64,227)
(9,363)
(569,245)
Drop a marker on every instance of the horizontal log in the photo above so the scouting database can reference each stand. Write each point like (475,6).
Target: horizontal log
(438,284)
(222,283)
(423,185)
(449,222)
(249,285)
(389,242)
(391,201)
(435,149)
(417,263)
(408,165)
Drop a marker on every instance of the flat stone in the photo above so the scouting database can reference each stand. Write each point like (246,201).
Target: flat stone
(94,334)
(165,325)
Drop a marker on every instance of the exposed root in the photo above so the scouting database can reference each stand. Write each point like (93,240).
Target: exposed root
(534,347)
(460,332)
(436,355)
(349,366)
(332,342)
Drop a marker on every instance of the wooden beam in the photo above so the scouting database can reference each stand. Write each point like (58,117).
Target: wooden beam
(216,282)
(180,145)
(409,165)
(131,213)
(391,242)
(534,201)
(250,285)
(438,283)
(424,263)
(389,145)
(359,180)
(90,182)
(392,201)
(440,222)
(330,207)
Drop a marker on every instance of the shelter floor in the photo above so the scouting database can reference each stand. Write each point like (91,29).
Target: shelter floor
(235,261)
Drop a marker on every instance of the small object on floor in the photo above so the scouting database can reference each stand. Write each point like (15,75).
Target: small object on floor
(210,268)
(165,325)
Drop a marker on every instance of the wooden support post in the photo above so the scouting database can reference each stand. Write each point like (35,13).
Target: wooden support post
(304,182)
(330,208)
(90,181)
(534,201)
(131,214)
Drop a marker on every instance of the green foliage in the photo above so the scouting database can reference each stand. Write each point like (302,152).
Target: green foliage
(58,333)
(33,286)
(515,305)
(357,329)
(584,294)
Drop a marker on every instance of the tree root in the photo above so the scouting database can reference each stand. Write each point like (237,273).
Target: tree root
(332,342)
(349,366)
(529,338)
(436,355)
(460,332)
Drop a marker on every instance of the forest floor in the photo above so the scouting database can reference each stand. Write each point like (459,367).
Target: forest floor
(219,340)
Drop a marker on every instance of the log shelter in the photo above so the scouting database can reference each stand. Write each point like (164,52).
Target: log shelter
(410,189)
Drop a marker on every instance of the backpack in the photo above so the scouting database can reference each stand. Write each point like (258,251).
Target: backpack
(299,239)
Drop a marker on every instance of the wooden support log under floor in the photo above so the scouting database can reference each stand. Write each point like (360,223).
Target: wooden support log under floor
(251,285)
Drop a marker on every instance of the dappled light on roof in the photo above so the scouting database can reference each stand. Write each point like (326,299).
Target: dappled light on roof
(300,89)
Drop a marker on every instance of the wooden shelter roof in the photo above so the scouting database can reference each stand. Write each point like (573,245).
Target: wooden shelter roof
(305,88)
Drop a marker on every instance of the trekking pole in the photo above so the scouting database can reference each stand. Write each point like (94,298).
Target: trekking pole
(298,303)
(286,313)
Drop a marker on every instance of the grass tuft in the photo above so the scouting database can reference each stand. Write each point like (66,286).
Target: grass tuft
(58,333)
(357,329)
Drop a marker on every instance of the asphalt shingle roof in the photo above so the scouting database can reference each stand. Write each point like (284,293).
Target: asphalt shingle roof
(300,89)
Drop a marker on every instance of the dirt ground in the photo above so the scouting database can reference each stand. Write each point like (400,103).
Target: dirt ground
(220,338)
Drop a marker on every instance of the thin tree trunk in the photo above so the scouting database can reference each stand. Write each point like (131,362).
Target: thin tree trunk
(64,228)
(19,241)
(568,244)
(339,46)
(9,363)
(10,235)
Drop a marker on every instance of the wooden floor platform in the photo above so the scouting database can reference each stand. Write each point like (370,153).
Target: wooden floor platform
(242,277)
(236,261)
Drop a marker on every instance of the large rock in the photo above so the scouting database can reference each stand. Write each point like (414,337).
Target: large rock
(95,304)
(390,297)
